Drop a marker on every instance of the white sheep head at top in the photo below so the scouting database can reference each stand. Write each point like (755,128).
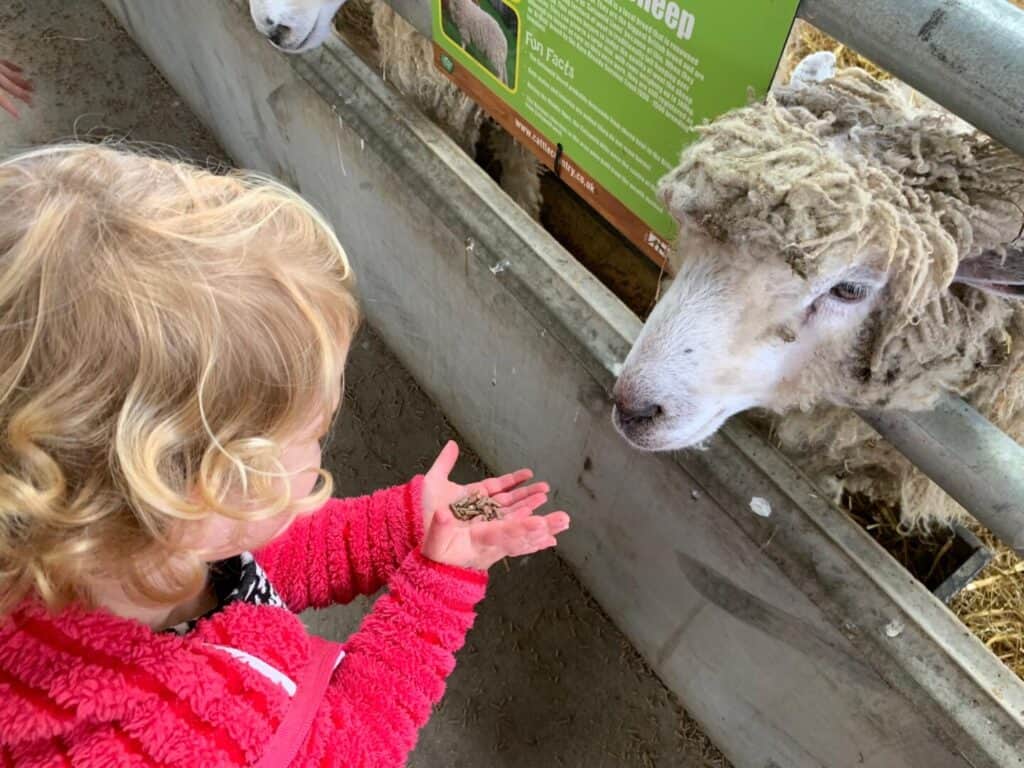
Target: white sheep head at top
(295,26)
(840,244)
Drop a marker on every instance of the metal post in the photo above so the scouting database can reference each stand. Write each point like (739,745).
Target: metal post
(967,55)
(969,458)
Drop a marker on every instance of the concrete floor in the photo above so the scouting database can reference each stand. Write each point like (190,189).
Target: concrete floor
(545,678)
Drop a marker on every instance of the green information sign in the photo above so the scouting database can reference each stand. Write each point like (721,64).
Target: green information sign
(606,92)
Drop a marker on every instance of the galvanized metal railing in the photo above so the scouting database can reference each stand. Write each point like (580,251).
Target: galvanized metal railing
(967,55)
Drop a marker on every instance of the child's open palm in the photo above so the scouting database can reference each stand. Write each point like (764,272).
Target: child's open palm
(479,544)
(507,491)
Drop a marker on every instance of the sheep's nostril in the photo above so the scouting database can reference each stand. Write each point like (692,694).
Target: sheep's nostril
(636,414)
(277,33)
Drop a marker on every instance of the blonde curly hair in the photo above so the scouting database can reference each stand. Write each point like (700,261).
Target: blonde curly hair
(163,330)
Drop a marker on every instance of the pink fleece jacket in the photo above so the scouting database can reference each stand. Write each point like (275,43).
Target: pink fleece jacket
(87,689)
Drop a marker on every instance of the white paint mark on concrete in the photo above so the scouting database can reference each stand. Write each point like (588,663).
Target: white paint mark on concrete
(760,507)
(894,628)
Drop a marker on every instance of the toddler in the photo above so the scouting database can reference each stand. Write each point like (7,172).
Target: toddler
(171,350)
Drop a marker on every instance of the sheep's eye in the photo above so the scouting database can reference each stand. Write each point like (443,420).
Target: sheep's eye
(849,293)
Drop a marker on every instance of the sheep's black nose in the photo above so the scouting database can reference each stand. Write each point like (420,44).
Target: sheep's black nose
(637,413)
(277,32)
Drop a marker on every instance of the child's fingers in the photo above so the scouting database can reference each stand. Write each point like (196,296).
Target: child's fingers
(21,81)
(13,74)
(7,105)
(11,65)
(495,485)
(502,533)
(527,506)
(557,522)
(510,498)
(514,537)
(531,545)
(14,89)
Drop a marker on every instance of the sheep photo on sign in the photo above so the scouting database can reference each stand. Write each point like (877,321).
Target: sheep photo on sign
(487,31)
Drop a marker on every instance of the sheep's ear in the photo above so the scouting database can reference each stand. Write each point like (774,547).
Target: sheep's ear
(815,68)
(999,274)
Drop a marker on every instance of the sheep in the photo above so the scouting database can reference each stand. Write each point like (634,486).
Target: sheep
(844,246)
(479,29)
(407,62)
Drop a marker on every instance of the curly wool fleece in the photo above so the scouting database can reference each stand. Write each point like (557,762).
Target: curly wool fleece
(847,170)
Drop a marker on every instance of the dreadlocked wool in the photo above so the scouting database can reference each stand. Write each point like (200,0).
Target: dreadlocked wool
(852,165)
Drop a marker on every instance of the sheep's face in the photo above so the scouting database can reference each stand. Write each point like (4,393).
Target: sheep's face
(295,26)
(822,234)
(738,329)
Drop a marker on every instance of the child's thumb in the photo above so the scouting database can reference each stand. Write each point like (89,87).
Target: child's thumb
(445,461)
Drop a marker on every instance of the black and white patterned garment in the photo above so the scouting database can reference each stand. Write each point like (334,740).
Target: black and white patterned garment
(237,579)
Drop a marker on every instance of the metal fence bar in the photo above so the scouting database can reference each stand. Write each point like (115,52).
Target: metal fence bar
(968,457)
(967,55)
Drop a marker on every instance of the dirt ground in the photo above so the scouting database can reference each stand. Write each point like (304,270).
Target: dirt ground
(545,679)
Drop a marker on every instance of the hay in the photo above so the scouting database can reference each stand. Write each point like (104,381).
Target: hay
(930,557)
(356,18)
(992,606)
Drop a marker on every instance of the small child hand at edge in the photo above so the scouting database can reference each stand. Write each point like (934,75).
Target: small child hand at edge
(13,84)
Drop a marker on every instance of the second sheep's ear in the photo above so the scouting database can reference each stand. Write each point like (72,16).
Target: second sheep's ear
(815,68)
(995,273)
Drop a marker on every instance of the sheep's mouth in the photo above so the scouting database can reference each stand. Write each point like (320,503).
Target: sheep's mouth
(655,435)
(302,44)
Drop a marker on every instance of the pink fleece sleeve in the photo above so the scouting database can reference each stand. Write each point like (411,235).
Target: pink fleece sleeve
(349,547)
(395,666)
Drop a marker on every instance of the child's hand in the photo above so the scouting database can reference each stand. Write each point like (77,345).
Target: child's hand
(479,545)
(14,83)
(506,491)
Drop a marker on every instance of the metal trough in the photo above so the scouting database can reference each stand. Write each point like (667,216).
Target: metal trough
(794,639)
